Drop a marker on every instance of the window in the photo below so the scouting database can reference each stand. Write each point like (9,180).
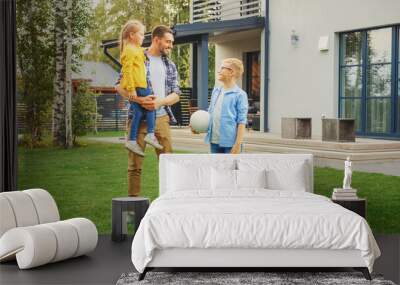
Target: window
(351,77)
(398,81)
(369,63)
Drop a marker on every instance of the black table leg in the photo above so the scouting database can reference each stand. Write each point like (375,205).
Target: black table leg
(116,234)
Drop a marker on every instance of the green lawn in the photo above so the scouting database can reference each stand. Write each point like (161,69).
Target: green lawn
(106,134)
(83,181)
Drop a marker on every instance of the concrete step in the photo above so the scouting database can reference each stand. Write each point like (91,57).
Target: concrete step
(276,148)
(360,146)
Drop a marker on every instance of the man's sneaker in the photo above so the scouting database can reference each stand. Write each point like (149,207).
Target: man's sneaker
(134,147)
(152,140)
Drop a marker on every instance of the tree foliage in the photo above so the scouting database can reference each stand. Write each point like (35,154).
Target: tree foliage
(84,111)
(36,22)
(72,20)
(110,16)
(35,64)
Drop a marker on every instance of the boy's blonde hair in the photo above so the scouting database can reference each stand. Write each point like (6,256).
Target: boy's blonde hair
(237,66)
(132,26)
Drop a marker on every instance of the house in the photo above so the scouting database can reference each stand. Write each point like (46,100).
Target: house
(308,58)
(101,78)
(304,58)
(337,59)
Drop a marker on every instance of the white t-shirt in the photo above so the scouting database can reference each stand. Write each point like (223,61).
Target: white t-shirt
(216,124)
(158,78)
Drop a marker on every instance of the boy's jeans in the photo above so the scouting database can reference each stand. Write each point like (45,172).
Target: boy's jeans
(138,112)
(215,148)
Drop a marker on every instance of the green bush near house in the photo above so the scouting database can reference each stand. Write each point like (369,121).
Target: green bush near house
(84,111)
(83,180)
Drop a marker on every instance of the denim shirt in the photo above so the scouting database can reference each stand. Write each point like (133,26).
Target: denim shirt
(233,112)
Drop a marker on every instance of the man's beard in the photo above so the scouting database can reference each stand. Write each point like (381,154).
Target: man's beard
(165,51)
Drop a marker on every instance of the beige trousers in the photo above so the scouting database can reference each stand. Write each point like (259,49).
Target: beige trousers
(163,133)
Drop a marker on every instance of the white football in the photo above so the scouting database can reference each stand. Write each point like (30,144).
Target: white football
(199,121)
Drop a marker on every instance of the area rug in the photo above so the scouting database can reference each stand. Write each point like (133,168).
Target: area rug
(243,278)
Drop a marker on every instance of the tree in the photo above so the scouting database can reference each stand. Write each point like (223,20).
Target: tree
(59,79)
(68,74)
(35,64)
(72,20)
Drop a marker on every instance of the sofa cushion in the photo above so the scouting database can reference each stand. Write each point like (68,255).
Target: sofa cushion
(23,208)
(46,207)
(32,246)
(7,215)
(40,244)
(67,240)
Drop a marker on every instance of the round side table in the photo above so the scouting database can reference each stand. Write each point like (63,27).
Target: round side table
(120,208)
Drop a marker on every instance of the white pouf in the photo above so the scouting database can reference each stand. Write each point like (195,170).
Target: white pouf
(199,121)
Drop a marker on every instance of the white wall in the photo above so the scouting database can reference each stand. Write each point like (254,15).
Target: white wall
(235,45)
(303,80)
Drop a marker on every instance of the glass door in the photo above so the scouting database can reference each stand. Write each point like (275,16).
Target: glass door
(252,87)
(378,81)
(369,80)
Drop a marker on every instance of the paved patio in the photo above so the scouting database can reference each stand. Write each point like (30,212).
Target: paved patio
(368,155)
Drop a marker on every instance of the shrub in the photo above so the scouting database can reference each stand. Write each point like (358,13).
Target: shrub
(84,111)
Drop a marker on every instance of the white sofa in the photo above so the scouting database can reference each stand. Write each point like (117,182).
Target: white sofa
(31,231)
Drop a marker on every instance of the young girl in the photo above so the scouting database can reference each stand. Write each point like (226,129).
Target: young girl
(135,83)
(228,110)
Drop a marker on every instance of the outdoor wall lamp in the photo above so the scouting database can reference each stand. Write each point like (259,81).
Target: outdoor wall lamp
(294,38)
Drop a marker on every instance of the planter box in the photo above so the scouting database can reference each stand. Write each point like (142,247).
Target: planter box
(296,128)
(338,130)
(255,125)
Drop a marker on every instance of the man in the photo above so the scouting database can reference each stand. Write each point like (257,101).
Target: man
(163,76)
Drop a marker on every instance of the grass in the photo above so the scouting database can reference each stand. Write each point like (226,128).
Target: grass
(83,181)
(106,134)
(382,193)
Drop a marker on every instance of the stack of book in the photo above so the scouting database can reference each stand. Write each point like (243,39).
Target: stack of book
(344,194)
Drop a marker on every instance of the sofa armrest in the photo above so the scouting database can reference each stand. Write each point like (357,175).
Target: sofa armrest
(41,244)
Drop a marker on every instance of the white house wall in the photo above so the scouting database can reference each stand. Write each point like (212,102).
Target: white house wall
(230,46)
(303,80)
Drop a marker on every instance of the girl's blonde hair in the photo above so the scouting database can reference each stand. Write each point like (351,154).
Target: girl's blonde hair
(236,64)
(132,26)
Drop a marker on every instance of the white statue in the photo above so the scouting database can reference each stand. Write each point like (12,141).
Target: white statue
(347,174)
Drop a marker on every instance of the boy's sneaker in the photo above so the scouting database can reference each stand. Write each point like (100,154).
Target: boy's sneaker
(134,147)
(152,140)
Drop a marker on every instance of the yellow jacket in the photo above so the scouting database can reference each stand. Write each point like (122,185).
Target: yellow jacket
(133,68)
